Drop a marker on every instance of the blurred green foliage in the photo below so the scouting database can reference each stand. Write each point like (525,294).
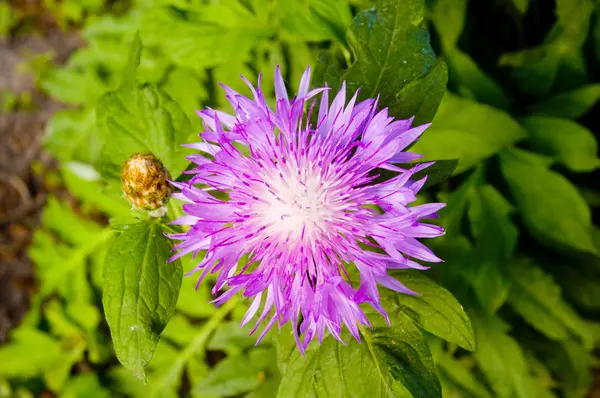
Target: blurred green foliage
(522,245)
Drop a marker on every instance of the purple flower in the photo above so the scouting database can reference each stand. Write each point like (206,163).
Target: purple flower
(284,209)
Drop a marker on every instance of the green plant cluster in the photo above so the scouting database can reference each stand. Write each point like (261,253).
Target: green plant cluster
(517,164)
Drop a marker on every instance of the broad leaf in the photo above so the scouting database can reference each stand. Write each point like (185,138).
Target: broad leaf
(434,309)
(392,59)
(141,119)
(569,142)
(570,104)
(390,362)
(551,207)
(468,131)
(140,292)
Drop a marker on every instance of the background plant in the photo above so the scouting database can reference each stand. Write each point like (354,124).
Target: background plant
(522,245)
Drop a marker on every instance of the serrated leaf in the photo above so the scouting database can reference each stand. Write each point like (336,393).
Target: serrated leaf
(571,104)
(391,362)
(537,298)
(470,132)
(495,241)
(435,310)
(393,59)
(141,119)
(552,209)
(140,292)
(569,142)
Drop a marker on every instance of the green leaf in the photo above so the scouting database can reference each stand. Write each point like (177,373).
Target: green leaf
(209,35)
(439,172)
(192,302)
(85,386)
(230,337)
(393,59)
(571,104)
(580,286)
(461,376)
(422,97)
(141,119)
(468,131)
(7,19)
(435,309)
(538,299)
(521,5)
(72,135)
(140,292)
(235,375)
(391,362)
(569,142)
(501,359)
(551,207)
(558,62)
(471,78)
(29,353)
(449,19)
(495,242)
(572,364)
(315,20)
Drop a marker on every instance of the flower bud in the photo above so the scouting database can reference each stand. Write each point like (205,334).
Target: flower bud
(145,182)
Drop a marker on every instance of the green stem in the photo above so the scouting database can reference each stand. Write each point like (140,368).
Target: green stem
(197,343)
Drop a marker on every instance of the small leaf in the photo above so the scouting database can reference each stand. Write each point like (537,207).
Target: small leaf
(435,309)
(390,362)
(569,142)
(468,131)
(571,104)
(140,293)
(552,209)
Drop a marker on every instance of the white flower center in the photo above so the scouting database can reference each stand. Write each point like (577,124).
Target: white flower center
(296,205)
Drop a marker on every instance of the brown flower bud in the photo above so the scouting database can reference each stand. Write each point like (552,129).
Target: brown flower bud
(145,182)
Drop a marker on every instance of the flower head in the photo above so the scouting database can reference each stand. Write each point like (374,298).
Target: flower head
(145,182)
(302,207)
